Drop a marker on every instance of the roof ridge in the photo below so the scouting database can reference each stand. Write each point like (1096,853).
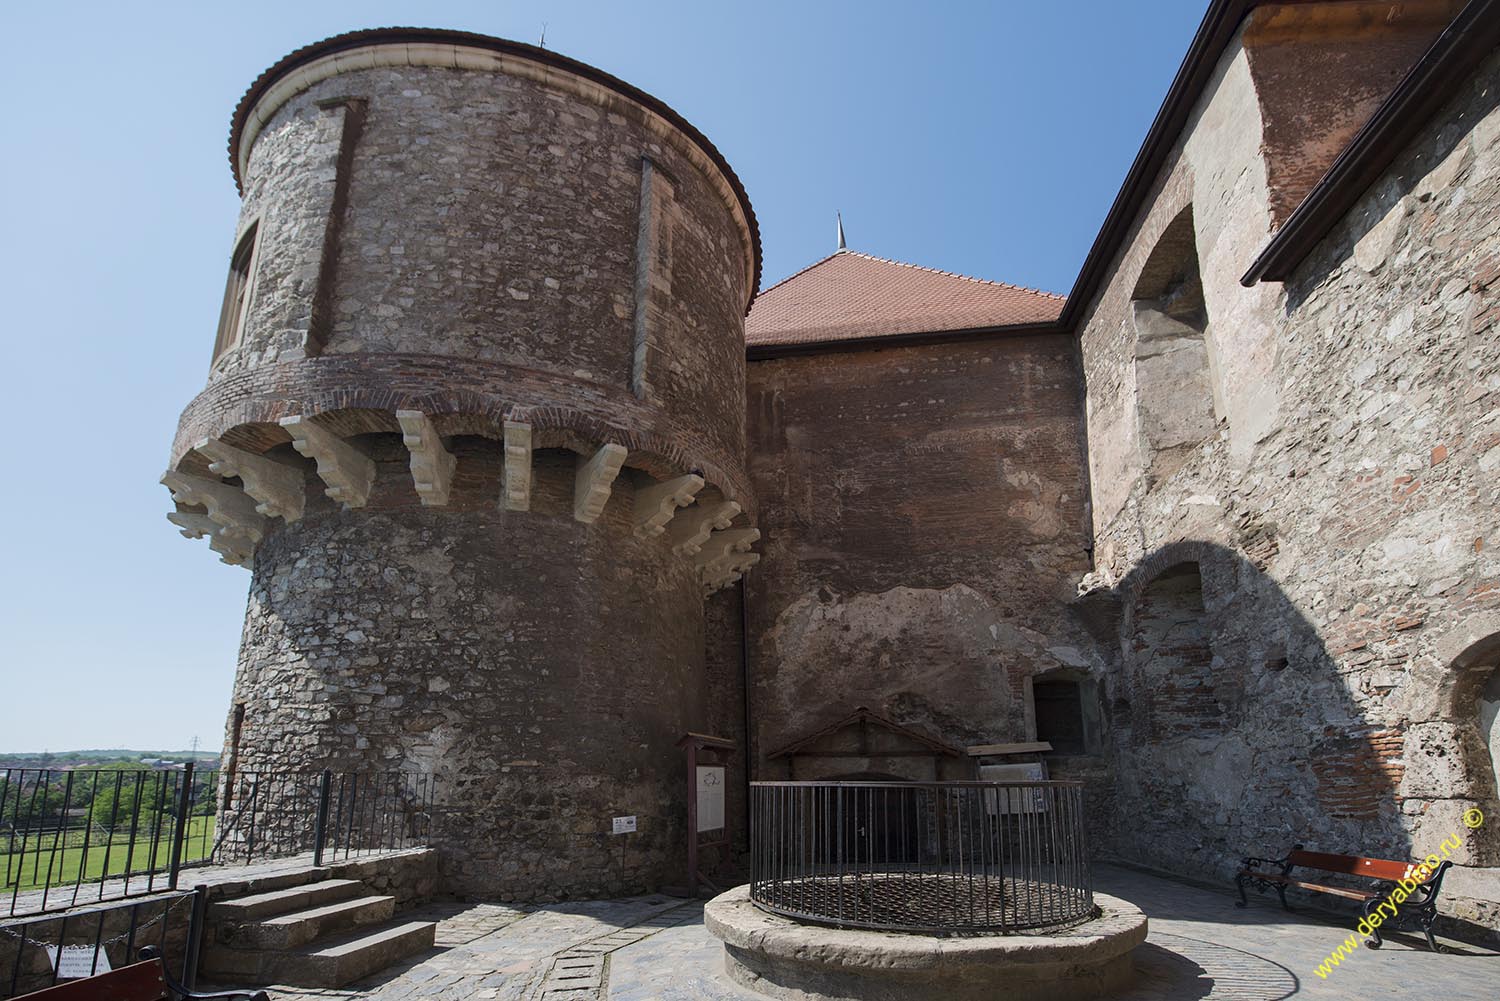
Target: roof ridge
(939,271)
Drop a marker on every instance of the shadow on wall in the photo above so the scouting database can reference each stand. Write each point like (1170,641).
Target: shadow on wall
(1234,731)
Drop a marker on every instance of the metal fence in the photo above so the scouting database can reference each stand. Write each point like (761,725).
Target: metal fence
(334,815)
(70,837)
(936,857)
(76,837)
(44,950)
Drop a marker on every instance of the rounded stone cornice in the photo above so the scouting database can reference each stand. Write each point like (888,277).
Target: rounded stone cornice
(360,394)
(444,49)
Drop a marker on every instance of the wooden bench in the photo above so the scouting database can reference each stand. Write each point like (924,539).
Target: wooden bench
(1419,909)
(144,981)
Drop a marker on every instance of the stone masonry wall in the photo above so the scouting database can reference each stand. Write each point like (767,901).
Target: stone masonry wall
(925,521)
(468,243)
(1341,522)
(540,670)
(491,218)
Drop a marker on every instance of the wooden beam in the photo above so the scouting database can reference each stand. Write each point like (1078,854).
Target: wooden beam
(985,750)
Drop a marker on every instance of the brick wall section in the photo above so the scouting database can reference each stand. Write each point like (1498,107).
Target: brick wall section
(1343,524)
(925,523)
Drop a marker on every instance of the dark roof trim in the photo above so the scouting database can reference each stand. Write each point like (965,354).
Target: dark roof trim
(763,352)
(399,36)
(1430,84)
(1219,25)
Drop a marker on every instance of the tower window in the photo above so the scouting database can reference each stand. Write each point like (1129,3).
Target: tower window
(236,291)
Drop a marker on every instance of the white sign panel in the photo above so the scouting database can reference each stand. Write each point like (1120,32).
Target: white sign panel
(77,961)
(710,797)
(1014,800)
(624,825)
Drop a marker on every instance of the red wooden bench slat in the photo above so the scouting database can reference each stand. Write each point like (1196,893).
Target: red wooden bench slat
(1354,865)
(136,982)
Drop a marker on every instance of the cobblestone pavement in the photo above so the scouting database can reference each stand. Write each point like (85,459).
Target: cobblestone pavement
(1201,948)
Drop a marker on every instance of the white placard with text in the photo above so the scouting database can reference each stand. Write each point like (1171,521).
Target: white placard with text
(710,797)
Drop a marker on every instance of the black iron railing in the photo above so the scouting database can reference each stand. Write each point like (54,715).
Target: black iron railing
(936,857)
(70,837)
(76,837)
(39,952)
(333,815)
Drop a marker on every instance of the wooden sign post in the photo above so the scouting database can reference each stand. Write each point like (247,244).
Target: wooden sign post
(707,811)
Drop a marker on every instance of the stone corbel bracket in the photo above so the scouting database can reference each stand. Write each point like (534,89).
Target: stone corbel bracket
(657,504)
(348,472)
(726,573)
(229,507)
(593,482)
(233,548)
(276,487)
(725,556)
(517,466)
(432,465)
(690,530)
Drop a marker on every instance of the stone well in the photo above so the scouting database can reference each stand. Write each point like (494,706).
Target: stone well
(879,891)
(783,958)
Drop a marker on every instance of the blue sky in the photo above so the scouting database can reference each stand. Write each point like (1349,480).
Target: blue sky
(983,138)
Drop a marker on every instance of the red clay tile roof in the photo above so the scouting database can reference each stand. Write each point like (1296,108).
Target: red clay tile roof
(850,295)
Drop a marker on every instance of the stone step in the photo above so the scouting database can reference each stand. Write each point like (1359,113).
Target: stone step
(282,901)
(353,957)
(332,962)
(297,928)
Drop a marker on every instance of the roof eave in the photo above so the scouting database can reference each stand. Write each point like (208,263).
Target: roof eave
(762,352)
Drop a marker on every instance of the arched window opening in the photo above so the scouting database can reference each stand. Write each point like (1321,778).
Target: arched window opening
(1174,365)
(236,292)
(1173,652)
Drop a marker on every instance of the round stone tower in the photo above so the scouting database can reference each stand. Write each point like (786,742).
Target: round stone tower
(475,421)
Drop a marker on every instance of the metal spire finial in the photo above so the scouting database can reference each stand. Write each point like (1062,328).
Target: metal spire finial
(840,216)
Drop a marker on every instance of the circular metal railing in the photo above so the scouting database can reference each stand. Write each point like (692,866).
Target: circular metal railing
(935,857)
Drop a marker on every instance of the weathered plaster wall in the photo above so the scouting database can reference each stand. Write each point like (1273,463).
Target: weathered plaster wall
(925,524)
(1342,519)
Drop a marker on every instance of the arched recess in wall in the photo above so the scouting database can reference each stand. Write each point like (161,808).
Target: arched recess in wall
(1175,368)
(1474,705)
(1172,651)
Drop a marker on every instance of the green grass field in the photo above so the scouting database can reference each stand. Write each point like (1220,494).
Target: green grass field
(69,865)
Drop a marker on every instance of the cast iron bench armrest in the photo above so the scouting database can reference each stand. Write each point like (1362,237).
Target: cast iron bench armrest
(183,994)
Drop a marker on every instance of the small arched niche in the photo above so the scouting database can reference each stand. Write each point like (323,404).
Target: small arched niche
(1172,649)
(1175,370)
